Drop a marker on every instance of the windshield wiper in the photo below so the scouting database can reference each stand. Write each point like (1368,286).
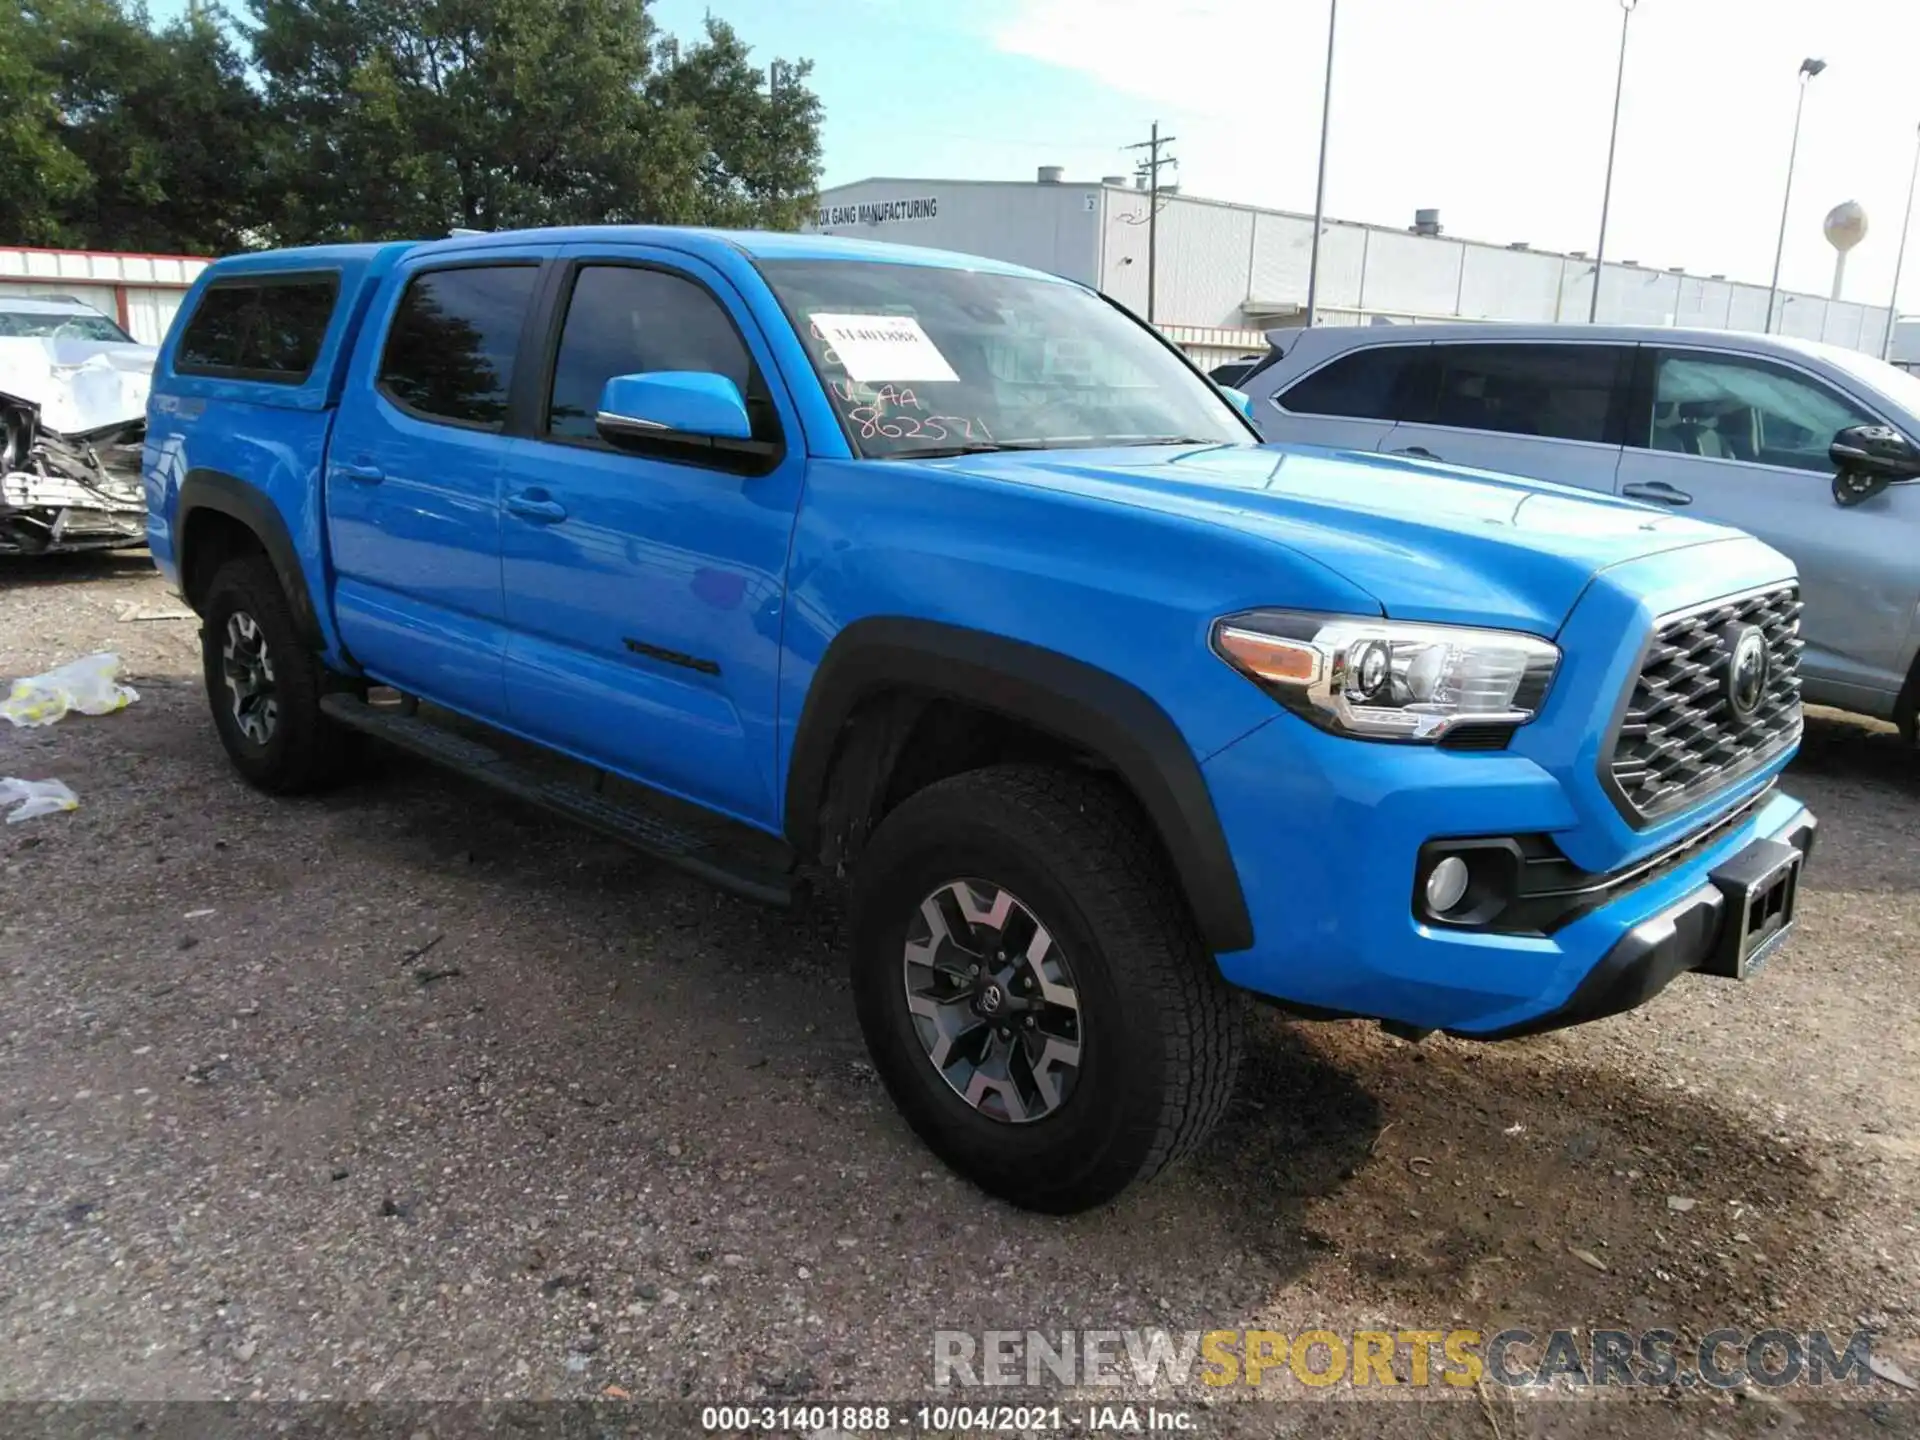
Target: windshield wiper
(971,447)
(1135,440)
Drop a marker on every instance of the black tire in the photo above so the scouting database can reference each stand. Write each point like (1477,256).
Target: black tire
(296,749)
(1159,1029)
(1906,710)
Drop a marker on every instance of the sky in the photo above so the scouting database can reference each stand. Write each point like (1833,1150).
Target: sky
(1494,111)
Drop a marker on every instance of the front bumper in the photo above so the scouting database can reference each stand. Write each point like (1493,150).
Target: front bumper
(1690,934)
(67,492)
(1326,832)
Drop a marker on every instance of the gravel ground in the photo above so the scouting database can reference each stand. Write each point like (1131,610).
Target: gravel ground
(409,1094)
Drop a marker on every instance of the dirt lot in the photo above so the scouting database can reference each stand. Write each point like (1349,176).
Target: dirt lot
(409,1094)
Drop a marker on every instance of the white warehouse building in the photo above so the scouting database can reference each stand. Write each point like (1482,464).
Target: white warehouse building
(141,292)
(1225,274)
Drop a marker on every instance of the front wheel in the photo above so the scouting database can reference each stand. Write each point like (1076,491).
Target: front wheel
(264,685)
(1035,993)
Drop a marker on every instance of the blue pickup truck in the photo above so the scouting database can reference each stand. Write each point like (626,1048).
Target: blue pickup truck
(954,586)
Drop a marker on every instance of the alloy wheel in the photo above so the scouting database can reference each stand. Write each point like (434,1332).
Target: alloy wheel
(248,669)
(993,1001)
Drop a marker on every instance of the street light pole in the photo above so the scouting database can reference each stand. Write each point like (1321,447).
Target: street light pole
(1899,259)
(1613,143)
(1808,69)
(1320,186)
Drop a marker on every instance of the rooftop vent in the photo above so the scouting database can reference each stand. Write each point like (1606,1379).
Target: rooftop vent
(1518,245)
(1119,180)
(1052,174)
(1426,222)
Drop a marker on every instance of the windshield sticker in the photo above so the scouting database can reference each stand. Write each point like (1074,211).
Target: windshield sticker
(882,348)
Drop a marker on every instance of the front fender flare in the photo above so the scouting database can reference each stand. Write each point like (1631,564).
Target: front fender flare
(1089,708)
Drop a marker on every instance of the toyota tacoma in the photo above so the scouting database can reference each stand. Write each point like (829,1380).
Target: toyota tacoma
(956,587)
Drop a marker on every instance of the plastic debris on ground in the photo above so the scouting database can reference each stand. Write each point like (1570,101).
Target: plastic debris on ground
(33,798)
(89,685)
(132,610)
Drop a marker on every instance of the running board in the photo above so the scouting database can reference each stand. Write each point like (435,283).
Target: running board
(631,824)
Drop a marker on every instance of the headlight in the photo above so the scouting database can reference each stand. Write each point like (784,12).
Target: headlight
(1384,680)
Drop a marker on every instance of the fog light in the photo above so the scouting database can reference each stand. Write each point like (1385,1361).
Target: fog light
(1446,884)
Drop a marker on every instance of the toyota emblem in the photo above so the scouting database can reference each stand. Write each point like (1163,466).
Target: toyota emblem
(1748,667)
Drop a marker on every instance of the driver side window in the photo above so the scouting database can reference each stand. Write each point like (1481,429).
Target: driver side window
(1728,408)
(625,320)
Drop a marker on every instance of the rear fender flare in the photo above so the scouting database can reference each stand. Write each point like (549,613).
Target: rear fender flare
(214,490)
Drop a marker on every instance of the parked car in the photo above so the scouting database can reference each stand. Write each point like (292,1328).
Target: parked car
(1731,427)
(73,401)
(952,580)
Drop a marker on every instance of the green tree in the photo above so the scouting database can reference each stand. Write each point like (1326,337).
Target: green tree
(38,174)
(759,163)
(157,132)
(404,117)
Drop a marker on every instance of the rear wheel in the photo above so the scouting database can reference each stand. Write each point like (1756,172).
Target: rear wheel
(1033,990)
(264,685)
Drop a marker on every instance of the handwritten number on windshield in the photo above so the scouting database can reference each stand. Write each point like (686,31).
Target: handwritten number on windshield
(887,411)
(827,353)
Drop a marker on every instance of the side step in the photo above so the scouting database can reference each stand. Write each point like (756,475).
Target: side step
(632,824)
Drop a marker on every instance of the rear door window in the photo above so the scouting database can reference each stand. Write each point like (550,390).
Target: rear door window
(1379,382)
(450,350)
(259,329)
(1556,392)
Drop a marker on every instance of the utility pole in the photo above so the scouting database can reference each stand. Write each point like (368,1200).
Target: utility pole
(1320,184)
(1149,168)
(1613,144)
(1899,260)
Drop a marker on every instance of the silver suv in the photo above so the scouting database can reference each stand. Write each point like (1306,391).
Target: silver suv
(1810,447)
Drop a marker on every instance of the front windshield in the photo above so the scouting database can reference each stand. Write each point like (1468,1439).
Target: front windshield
(31,325)
(925,360)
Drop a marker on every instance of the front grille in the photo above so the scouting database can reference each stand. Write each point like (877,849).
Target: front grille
(1680,738)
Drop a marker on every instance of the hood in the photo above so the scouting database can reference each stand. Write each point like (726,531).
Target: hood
(79,385)
(1428,541)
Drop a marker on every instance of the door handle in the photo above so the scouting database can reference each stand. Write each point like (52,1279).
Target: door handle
(537,507)
(1657,491)
(365,474)
(1418,452)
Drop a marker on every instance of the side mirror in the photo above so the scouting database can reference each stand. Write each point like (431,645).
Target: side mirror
(671,404)
(1242,401)
(1869,458)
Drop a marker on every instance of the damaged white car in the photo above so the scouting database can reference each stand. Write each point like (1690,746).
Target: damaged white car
(73,413)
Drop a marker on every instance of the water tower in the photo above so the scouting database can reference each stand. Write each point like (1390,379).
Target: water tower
(1845,227)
